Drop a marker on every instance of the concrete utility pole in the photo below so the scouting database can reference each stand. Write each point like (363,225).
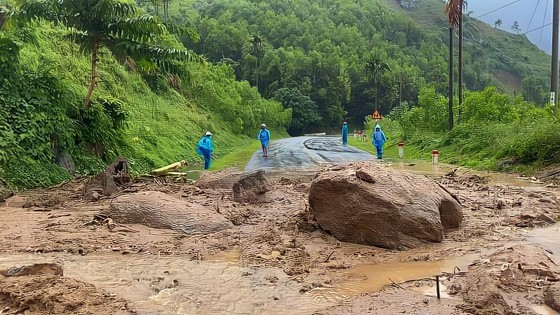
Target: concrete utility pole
(451,81)
(460,65)
(554,75)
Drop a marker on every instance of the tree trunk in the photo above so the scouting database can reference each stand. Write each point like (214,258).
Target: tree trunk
(93,80)
(166,9)
(460,66)
(257,72)
(451,81)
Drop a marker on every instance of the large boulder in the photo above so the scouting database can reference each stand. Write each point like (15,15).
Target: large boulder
(161,211)
(368,203)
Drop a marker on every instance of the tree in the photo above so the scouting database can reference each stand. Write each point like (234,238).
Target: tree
(498,23)
(305,113)
(454,10)
(118,26)
(256,49)
(515,27)
(376,67)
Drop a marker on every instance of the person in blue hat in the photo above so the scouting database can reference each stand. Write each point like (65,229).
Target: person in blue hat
(378,139)
(205,148)
(344,133)
(264,137)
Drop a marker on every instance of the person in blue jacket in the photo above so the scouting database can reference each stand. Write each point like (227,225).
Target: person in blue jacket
(264,137)
(344,133)
(378,139)
(205,148)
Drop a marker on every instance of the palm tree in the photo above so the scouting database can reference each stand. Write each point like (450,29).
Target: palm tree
(118,26)
(376,67)
(515,27)
(256,49)
(454,10)
(498,23)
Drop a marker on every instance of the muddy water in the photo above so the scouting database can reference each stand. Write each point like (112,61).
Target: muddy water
(367,278)
(170,285)
(427,168)
(548,237)
(543,310)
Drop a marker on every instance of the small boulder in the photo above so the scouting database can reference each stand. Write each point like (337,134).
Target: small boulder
(16,201)
(552,297)
(370,204)
(33,270)
(251,188)
(218,180)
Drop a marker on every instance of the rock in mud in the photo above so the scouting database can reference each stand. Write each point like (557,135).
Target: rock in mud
(552,297)
(16,201)
(49,294)
(251,188)
(161,211)
(370,204)
(5,193)
(33,270)
(218,180)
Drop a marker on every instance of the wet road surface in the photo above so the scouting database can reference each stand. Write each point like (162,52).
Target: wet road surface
(306,153)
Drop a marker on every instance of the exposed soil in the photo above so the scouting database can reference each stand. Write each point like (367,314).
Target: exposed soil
(274,260)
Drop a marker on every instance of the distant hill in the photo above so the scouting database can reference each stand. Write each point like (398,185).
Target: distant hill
(510,57)
(330,60)
(531,15)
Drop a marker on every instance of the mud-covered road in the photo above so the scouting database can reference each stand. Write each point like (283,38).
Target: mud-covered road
(505,259)
(305,153)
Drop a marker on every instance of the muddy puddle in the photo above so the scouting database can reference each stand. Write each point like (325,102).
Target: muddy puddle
(431,170)
(548,238)
(367,278)
(171,285)
(544,310)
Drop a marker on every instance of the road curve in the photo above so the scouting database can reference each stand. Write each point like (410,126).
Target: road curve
(305,153)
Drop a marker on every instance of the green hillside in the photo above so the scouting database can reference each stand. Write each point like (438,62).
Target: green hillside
(515,64)
(150,117)
(331,60)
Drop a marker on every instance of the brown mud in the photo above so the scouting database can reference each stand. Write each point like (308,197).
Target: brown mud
(274,260)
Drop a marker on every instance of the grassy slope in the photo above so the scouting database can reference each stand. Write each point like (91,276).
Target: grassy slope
(163,127)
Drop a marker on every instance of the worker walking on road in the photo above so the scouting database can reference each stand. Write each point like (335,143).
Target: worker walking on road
(344,133)
(205,148)
(264,137)
(378,139)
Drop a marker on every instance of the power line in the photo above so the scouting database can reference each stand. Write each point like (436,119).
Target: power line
(534,11)
(505,5)
(537,28)
(543,19)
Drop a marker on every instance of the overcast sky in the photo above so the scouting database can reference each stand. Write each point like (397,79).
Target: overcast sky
(522,11)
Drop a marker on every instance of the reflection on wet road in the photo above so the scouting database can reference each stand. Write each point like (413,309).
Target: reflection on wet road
(305,153)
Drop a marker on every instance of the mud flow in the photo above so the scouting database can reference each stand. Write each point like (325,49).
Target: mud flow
(63,253)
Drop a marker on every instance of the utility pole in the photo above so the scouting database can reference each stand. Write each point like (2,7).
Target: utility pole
(451,81)
(554,78)
(460,66)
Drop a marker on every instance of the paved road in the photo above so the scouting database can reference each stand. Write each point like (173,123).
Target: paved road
(305,153)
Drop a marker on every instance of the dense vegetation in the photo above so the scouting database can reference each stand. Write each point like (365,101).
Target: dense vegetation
(331,60)
(498,131)
(80,89)
(146,114)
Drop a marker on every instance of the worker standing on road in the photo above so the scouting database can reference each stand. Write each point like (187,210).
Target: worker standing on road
(205,148)
(344,133)
(378,139)
(264,137)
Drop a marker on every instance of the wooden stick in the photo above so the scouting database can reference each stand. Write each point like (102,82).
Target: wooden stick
(168,168)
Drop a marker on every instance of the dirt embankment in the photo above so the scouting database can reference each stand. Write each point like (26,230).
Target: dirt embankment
(279,233)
